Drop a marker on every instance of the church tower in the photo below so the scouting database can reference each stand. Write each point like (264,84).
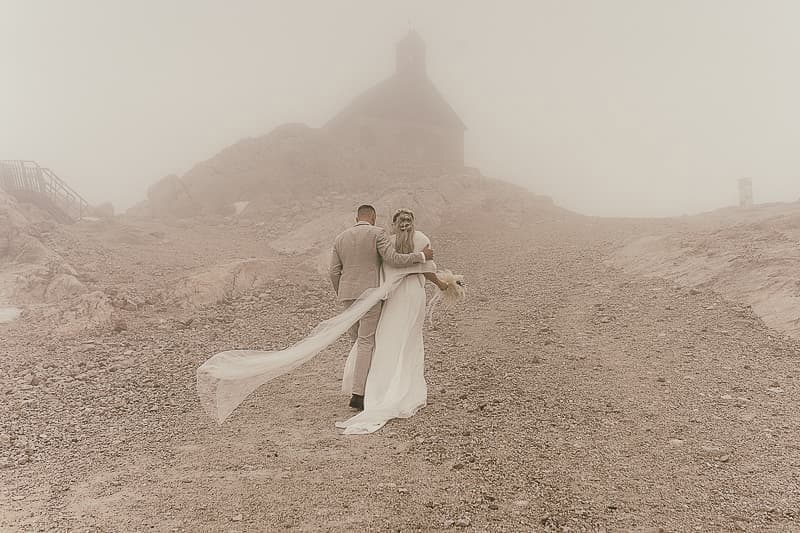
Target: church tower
(403,119)
(411,56)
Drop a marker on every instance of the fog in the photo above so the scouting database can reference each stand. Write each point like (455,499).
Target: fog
(616,108)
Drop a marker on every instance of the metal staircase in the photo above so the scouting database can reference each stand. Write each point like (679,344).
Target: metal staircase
(28,182)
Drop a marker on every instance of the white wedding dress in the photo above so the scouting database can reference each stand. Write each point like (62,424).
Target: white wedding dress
(396,385)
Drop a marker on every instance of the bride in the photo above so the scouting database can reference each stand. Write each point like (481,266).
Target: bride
(395,385)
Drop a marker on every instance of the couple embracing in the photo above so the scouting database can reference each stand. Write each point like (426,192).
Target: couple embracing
(385,368)
(380,280)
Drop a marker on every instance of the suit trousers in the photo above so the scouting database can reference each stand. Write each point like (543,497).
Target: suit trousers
(363,331)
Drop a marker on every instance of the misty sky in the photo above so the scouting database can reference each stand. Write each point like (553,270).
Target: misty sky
(613,107)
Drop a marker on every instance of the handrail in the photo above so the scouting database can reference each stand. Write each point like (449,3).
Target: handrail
(28,177)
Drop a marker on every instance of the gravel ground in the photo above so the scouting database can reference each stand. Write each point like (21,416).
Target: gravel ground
(564,395)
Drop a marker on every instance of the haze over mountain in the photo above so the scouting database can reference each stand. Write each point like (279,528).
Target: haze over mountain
(613,108)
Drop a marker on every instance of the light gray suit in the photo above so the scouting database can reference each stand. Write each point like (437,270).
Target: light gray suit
(355,267)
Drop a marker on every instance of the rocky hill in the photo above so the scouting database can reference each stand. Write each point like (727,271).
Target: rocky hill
(603,374)
(296,168)
(748,256)
(564,393)
(35,275)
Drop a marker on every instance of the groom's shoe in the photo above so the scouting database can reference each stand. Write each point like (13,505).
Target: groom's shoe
(357,402)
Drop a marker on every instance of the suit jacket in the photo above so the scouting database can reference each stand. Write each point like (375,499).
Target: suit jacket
(356,259)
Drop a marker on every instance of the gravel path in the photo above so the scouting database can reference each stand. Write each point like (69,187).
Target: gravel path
(564,395)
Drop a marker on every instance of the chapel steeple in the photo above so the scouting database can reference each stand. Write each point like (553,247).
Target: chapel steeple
(411,56)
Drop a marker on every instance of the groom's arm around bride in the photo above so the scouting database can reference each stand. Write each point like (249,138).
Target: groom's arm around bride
(357,255)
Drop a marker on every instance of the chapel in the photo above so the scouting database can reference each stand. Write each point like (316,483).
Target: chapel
(403,118)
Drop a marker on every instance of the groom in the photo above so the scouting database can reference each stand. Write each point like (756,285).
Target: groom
(355,267)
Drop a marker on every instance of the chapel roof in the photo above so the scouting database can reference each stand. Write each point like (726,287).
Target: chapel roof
(409,95)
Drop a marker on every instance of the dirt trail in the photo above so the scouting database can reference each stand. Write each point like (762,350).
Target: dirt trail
(564,395)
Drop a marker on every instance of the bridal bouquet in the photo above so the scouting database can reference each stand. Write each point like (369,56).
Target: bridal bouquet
(455,291)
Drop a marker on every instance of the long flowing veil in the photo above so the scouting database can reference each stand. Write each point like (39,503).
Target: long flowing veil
(226,379)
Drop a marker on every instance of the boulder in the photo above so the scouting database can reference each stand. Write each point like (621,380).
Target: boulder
(89,311)
(221,282)
(24,249)
(63,287)
(170,197)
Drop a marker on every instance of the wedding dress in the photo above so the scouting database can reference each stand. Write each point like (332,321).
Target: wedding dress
(226,379)
(396,385)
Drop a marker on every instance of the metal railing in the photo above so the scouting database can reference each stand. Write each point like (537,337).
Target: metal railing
(39,183)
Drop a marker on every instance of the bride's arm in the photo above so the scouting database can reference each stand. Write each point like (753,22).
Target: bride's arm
(433,278)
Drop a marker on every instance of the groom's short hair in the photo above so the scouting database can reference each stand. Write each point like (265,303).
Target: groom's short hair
(365,210)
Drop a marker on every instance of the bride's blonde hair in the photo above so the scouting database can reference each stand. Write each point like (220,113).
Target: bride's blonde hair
(403,229)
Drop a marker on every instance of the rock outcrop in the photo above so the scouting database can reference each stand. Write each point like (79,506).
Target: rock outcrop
(32,272)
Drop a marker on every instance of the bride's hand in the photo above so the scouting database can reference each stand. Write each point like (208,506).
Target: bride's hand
(442,285)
